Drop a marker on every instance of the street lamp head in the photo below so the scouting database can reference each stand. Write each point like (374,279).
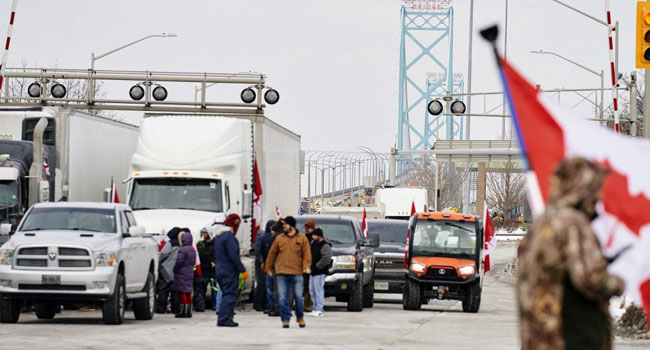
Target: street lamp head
(170,35)
(541,52)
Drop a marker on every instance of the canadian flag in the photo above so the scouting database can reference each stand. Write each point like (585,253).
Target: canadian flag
(548,134)
(490,239)
(257,200)
(113,196)
(364,224)
(46,167)
(278,216)
(408,236)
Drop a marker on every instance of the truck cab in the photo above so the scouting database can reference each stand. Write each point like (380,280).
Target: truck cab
(444,260)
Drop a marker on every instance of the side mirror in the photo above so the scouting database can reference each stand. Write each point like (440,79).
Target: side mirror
(44,191)
(246,204)
(5,229)
(374,240)
(137,231)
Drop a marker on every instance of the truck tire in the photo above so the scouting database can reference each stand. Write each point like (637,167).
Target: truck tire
(143,307)
(411,297)
(472,300)
(369,295)
(342,298)
(355,303)
(113,310)
(45,311)
(9,310)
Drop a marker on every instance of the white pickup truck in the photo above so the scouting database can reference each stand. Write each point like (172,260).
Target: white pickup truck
(78,252)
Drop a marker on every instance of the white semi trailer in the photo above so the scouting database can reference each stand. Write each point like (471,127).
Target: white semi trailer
(82,151)
(192,171)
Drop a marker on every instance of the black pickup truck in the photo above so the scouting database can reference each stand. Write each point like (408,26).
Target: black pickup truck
(389,258)
(351,277)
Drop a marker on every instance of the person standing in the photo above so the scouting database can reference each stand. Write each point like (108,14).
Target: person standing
(259,301)
(563,287)
(205,248)
(184,273)
(166,262)
(321,258)
(228,266)
(272,300)
(310,225)
(291,256)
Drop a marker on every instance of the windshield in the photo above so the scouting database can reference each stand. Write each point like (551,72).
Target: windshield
(8,193)
(389,231)
(337,232)
(177,193)
(444,238)
(82,219)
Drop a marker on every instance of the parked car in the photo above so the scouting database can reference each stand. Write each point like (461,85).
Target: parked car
(78,252)
(389,257)
(351,277)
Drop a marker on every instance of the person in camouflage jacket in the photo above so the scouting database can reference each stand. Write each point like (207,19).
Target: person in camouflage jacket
(563,287)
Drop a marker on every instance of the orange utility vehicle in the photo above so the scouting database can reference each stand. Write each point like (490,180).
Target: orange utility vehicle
(444,260)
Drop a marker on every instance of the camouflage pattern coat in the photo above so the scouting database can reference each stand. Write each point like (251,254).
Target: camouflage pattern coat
(563,287)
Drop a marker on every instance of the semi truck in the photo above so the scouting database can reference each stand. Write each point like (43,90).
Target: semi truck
(398,201)
(59,154)
(193,170)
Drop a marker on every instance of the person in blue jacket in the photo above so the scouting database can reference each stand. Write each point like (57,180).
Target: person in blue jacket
(228,266)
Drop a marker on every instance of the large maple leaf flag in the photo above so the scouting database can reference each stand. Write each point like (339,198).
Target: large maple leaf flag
(548,134)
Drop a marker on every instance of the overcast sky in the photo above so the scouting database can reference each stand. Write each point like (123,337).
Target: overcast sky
(335,62)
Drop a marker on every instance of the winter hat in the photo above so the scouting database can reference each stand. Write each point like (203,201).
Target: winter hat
(317,232)
(209,230)
(173,236)
(269,225)
(233,220)
(311,223)
(291,221)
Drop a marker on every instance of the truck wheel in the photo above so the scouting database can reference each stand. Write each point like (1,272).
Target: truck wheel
(369,295)
(411,297)
(342,298)
(355,303)
(113,310)
(143,307)
(472,300)
(45,311)
(9,310)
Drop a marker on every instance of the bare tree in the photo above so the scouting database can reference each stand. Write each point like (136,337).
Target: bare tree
(506,187)
(451,179)
(16,91)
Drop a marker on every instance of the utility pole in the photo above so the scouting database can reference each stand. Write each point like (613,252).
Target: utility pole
(633,107)
(646,106)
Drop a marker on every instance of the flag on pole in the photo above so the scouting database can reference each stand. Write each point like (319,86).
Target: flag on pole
(278,216)
(114,198)
(47,169)
(364,224)
(490,239)
(408,235)
(548,134)
(257,200)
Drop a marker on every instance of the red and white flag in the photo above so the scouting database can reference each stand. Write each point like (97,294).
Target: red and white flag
(364,224)
(257,200)
(114,198)
(490,239)
(408,236)
(278,216)
(548,134)
(46,167)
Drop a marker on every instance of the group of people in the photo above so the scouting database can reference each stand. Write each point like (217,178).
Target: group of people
(290,270)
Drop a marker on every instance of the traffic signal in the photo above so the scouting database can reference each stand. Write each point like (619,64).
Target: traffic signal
(643,34)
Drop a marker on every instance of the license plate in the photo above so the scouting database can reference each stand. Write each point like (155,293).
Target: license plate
(381,285)
(51,279)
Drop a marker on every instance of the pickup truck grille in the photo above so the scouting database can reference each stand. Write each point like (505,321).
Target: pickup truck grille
(389,265)
(53,257)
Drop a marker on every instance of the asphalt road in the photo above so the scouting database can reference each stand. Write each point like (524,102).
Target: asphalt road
(440,325)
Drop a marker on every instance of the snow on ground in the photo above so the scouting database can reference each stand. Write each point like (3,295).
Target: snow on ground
(505,235)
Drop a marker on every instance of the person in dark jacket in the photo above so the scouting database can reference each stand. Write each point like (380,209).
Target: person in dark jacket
(166,262)
(272,305)
(205,248)
(184,273)
(321,257)
(228,266)
(310,225)
(259,303)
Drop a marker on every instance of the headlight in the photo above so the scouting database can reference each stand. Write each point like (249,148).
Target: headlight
(6,256)
(417,267)
(346,262)
(104,258)
(467,270)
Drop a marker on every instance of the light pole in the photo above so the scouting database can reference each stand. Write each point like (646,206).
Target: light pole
(601,74)
(93,58)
